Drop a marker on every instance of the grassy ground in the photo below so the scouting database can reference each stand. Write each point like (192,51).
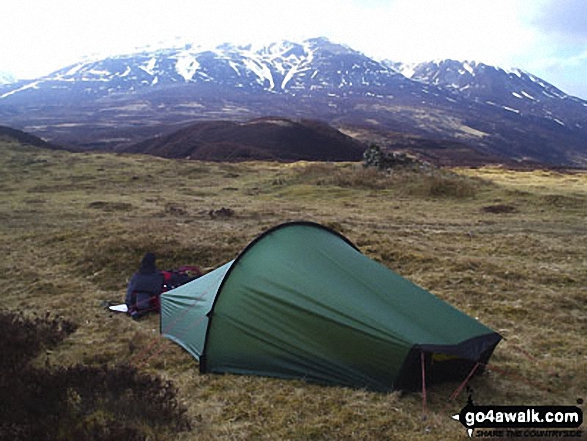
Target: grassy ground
(507,247)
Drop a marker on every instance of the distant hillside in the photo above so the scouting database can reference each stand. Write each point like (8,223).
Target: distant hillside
(23,137)
(436,151)
(120,100)
(259,139)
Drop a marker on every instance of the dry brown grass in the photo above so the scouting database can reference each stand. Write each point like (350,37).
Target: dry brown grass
(73,228)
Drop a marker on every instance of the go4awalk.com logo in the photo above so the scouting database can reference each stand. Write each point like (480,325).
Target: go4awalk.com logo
(521,421)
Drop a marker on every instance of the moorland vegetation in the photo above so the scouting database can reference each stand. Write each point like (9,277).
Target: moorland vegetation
(507,247)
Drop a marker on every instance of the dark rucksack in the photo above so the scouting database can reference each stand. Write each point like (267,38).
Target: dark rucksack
(174,278)
(171,279)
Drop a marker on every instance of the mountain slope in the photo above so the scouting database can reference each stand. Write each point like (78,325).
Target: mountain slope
(10,134)
(121,100)
(265,139)
(314,65)
(514,89)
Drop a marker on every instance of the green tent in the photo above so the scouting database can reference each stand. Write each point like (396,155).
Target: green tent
(301,301)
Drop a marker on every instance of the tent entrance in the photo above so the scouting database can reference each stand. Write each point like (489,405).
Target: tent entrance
(443,367)
(439,367)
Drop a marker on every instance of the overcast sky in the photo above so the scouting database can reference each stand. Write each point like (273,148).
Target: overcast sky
(545,37)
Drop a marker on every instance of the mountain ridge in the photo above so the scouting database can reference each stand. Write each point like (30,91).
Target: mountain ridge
(123,99)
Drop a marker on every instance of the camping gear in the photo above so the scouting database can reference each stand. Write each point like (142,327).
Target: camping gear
(301,301)
(171,279)
(122,307)
(174,278)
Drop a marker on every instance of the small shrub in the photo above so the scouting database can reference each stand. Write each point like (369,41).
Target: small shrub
(77,402)
(23,338)
(374,157)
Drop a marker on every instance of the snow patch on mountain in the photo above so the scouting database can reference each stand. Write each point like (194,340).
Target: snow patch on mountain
(148,67)
(187,66)
(74,69)
(7,78)
(32,85)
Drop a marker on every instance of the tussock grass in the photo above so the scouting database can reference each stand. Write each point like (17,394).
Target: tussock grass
(410,181)
(74,226)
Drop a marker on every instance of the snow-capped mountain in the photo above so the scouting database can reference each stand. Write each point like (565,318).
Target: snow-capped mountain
(512,89)
(479,80)
(313,65)
(6,78)
(102,103)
